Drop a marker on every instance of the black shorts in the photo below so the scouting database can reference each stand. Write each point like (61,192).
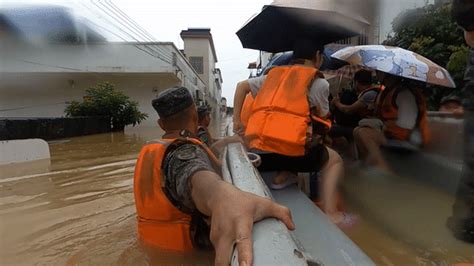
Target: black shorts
(313,161)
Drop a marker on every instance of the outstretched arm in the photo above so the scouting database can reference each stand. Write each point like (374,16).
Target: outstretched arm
(191,181)
(350,109)
(232,213)
(218,146)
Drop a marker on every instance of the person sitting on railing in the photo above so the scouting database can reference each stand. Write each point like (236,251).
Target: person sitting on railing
(347,116)
(400,115)
(181,200)
(290,104)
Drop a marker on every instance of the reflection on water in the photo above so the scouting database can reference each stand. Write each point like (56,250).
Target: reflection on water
(80,210)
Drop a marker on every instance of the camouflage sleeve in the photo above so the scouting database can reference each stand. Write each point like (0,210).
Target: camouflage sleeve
(180,164)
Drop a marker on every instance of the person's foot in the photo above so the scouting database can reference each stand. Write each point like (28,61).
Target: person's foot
(283,180)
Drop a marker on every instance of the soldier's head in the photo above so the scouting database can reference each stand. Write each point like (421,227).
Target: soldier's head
(462,13)
(204,116)
(176,109)
(305,49)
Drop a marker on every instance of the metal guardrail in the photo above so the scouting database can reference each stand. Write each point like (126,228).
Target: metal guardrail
(442,114)
(273,243)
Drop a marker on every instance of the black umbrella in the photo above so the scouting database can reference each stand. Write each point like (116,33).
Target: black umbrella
(280,24)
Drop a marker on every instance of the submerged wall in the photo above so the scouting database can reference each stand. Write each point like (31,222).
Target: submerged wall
(52,128)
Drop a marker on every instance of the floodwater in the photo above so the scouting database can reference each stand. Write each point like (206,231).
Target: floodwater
(79,210)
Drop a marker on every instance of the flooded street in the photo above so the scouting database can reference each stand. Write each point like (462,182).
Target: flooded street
(80,211)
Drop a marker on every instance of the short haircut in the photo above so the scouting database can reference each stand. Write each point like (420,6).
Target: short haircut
(202,115)
(179,119)
(363,76)
(306,49)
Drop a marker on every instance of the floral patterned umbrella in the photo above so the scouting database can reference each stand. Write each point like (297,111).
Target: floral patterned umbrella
(398,62)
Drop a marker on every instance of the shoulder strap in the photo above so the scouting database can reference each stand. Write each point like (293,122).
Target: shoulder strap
(160,141)
(211,155)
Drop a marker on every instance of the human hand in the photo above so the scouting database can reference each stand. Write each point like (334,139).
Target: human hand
(233,213)
(238,127)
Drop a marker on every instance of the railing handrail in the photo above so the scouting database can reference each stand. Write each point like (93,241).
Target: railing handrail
(275,245)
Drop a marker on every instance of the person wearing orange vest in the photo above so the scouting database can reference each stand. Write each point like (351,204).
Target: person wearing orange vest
(290,104)
(247,109)
(362,108)
(402,111)
(181,201)
(365,105)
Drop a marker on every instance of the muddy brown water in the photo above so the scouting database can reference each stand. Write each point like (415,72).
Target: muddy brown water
(79,210)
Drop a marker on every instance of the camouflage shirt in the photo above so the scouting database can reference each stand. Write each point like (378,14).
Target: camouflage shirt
(182,161)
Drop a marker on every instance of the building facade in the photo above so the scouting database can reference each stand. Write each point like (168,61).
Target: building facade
(39,79)
(200,51)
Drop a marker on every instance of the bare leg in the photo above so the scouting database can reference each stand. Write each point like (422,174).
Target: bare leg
(368,142)
(332,172)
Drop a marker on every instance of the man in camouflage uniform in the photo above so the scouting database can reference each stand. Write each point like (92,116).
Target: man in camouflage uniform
(194,186)
(204,116)
(462,220)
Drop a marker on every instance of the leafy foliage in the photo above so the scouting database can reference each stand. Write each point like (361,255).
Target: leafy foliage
(429,31)
(104,100)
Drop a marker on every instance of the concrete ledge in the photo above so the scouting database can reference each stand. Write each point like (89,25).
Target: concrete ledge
(24,150)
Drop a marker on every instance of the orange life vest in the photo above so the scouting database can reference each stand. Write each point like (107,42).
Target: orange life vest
(387,110)
(377,88)
(280,119)
(247,108)
(159,223)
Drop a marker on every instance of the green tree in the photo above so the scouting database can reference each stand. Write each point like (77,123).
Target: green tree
(104,100)
(429,31)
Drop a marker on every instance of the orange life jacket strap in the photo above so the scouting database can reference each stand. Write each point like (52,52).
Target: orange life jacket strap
(211,154)
(378,89)
(323,121)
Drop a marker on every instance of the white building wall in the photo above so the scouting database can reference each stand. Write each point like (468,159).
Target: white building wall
(198,47)
(40,81)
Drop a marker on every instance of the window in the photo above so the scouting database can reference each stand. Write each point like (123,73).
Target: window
(197,63)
